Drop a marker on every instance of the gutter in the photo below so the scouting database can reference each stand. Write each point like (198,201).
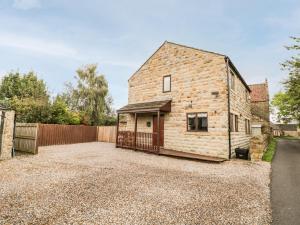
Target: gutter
(228,99)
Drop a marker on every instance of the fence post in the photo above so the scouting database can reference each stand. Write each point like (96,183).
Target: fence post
(37,139)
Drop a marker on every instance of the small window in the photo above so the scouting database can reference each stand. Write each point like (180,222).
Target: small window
(236,123)
(247,126)
(231,122)
(232,80)
(197,122)
(167,83)
(246,96)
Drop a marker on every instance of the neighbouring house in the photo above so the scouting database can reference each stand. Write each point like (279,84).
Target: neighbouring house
(260,122)
(290,129)
(276,131)
(7,122)
(260,108)
(186,102)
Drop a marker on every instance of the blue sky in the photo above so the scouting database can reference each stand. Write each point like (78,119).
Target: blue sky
(56,37)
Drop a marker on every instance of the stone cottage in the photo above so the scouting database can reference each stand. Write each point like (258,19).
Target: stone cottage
(186,102)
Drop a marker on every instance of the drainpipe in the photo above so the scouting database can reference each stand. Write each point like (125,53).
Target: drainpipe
(228,99)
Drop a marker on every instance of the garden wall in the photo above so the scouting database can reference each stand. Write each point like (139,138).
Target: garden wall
(6,133)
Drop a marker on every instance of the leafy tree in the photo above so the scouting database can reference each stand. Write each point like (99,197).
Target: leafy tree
(60,114)
(27,95)
(288,102)
(90,96)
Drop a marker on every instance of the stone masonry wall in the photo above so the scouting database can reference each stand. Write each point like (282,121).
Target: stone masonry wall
(240,105)
(7,137)
(258,146)
(194,76)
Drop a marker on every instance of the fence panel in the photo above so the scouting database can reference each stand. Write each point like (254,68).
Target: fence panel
(107,134)
(29,136)
(55,134)
(25,137)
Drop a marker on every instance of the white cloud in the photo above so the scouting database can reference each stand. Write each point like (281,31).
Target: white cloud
(36,45)
(26,4)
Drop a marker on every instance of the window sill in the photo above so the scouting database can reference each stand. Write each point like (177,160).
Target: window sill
(197,133)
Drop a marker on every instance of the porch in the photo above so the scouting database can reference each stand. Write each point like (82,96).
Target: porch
(153,139)
(150,139)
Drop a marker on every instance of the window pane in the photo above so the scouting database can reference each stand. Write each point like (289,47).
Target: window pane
(167,83)
(191,121)
(232,80)
(231,123)
(202,123)
(236,122)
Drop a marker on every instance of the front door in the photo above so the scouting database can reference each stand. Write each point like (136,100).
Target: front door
(161,131)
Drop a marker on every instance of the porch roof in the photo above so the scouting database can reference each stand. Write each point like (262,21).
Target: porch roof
(163,106)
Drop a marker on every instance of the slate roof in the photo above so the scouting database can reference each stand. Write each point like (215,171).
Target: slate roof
(164,106)
(259,92)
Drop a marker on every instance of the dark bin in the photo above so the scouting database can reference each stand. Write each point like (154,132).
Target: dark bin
(241,153)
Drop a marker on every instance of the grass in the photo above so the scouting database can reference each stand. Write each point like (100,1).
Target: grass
(269,154)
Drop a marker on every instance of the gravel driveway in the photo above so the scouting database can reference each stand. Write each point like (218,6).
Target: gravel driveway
(95,183)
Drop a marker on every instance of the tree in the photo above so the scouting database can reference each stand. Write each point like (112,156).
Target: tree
(60,114)
(288,101)
(27,95)
(90,96)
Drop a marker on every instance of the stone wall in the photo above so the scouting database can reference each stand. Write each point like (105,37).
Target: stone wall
(240,105)
(195,75)
(7,136)
(258,146)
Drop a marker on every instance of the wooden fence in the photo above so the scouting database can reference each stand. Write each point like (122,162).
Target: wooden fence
(107,134)
(29,136)
(55,134)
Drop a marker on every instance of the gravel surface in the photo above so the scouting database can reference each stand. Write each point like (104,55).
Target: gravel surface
(95,183)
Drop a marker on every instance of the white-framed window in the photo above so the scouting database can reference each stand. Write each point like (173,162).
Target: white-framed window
(167,83)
